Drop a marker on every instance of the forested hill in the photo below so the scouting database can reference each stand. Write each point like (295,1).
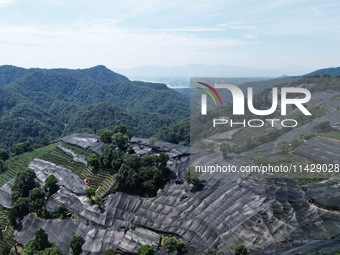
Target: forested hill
(332,71)
(38,105)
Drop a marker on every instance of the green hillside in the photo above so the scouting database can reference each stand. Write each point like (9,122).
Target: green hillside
(332,71)
(37,105)
(54,155)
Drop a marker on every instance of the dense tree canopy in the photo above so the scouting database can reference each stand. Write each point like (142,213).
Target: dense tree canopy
(23,183)
(39,243)
(37,201)
(37,105)
(3,166)
(171,244)
(51,185)
(50,251)
(76,244)
(240,249)
(146,249)
(4,155)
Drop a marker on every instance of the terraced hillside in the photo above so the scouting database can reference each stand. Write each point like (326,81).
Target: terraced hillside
(281,213)
(264,212)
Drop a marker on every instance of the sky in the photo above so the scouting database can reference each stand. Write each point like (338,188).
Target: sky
(289,36)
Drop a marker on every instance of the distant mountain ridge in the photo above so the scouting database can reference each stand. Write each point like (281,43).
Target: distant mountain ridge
(332,71)
(46,103)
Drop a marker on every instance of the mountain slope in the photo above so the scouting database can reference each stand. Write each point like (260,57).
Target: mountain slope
(56,101)
(332,71)
(270,214)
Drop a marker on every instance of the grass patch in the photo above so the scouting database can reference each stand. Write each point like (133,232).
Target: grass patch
(259,157)
(99,180)
(60,158)
(332,134)
(51,153)
(20,162)
(243,135)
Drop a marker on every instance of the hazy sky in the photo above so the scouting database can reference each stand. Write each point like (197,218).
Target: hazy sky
(291,36)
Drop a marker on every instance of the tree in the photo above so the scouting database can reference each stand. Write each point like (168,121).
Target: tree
(133,161)
(130,150)
(323,126)
(149,187)
(3,167)
(37,201)
(181,248)
(191,176)
(51,185)
(296,143)
(210,146)
(39,243)
(50,251)
(146,249)
(61,212)
(76,244)
(105,135)
(147,160)
(117,159)
(23,183)
(107,156)
(128,180)
(120,140)
(4,155)
(171,244)
(5,249)
(142,175)
(240,249)
(90,192)
(123,129)
(225,149)
(152,177)
(283,146)
(21,206)
(163,159)
(20,148)
(93,161)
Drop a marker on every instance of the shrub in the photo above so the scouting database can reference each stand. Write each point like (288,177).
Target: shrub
(240,249)
(146,249)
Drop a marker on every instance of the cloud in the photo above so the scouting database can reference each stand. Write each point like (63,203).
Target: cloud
(103,41)
(237,26)
(250,36)
(188,29)
(80,33)
(6,3)
(317,12)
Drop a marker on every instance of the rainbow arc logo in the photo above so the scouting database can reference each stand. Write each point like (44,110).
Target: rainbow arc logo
(211,91)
